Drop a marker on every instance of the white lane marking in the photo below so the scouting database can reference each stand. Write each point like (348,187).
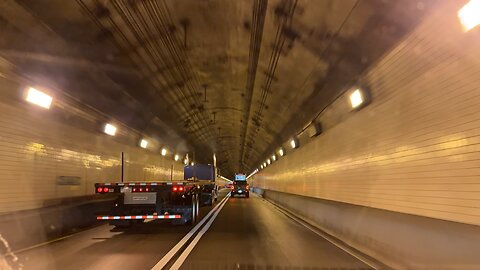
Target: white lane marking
(189,235)
(195,240)
(324,235)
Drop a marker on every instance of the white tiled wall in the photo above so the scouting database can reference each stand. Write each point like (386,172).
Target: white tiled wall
(416,148)
(35,150)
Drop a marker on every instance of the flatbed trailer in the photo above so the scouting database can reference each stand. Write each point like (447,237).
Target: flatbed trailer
(168,200)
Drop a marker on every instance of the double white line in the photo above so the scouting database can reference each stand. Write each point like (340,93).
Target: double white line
(187,237)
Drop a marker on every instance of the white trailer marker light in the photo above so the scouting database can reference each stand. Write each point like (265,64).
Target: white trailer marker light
(264,164)
(38,98)
(281,152)
(143,143)
(176,157)
(469,15)
(163,152)
(274,158)
(268,161)
(261,166)
(110,129)
(356,98)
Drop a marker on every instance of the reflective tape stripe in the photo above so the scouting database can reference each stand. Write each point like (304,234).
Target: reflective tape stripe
(139,217)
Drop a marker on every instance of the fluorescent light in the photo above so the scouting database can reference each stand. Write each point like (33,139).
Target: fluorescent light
(356,98)
(281,152)
(143,143)
(185,161)
(469,15)
(39,98)
(192,163)
(110,129)
(163,152)
(268,161)
(274,157)
(176,157)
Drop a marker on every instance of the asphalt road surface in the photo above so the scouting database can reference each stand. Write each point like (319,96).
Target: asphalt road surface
(237,233)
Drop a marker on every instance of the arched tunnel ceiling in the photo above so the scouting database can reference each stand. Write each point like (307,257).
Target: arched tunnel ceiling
(235,78)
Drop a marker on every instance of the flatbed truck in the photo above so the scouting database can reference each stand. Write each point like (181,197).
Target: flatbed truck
(178,200)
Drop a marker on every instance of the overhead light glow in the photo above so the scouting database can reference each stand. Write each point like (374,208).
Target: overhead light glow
(185,161)
(193,163)
(281,152)
(268,161)
(356,98)
(469,15)
(176,157)
(110,129)
(143,143)
(163,152)
(39,98)
(274,157)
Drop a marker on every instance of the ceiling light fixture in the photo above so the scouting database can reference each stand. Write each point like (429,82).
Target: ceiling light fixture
(38,98)
(469,15)
(294,143)
(110,129)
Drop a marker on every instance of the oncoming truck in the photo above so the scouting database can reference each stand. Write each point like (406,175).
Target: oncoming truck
(177,200)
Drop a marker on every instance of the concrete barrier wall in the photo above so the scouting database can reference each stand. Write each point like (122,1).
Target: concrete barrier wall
(401,241)
(30,227)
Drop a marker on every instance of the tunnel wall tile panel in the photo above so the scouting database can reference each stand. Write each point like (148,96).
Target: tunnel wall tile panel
(416,148)
(36,151)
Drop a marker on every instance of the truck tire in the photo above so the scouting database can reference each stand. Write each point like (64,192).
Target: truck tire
(197,207)
(192,214)
(212,198)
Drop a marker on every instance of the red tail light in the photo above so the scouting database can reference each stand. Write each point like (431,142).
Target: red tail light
(140,189)
(146,189)
(99,190)
(180,188)
(105,189)
(175,188)
(134,189)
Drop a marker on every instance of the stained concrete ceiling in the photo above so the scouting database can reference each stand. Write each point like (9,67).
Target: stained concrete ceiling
(235,78)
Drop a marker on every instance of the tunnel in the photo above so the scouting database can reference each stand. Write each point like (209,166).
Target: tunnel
(239,134)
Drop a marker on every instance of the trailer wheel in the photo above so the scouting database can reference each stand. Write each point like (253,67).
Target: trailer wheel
(192,218)
(212,198)
(197,208)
